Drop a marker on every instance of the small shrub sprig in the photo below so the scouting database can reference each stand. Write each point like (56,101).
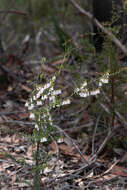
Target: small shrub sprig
(45,98)
(83,90)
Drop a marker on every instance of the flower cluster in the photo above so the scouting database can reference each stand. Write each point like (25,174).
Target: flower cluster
(45,98)
(104,79)
(42,102)
(84,91)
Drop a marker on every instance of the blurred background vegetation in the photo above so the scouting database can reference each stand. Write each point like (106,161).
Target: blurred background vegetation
(21,19)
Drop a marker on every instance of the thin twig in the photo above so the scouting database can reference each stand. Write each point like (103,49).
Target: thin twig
(17,122)
(119,116)
(74,144)
(14,12)
(94,134)
(104,142)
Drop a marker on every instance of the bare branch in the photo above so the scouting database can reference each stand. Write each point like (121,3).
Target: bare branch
(99,25)
(14,12)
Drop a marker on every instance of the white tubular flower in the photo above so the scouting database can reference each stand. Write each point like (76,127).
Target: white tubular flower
(36,127)
(77,90)
(47,86)
(30,107)
(107,75)
(39,103)
(31,100)
(26,104)
(50,120)
(44,115)
(34,97)
(100,83)
(84,94)
(66,102)
(43,88)
(56,92)
(52,98)
(95,92)
(39,88)
(84,85)
(32,116)
(104,80)
(51,89)
(38,95)
(57,105)
(41,91)
(44,97)
(44,139)
(53,78)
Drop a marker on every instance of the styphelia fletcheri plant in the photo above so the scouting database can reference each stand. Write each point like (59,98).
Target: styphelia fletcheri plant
(42,101)
(45,98)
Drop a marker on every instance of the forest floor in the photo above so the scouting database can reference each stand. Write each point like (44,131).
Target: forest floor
(78,159)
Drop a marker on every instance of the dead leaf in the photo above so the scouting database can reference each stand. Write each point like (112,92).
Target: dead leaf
(119,171)
(53,147)
(30,151)
(60,61)
(26,88)
(13,179)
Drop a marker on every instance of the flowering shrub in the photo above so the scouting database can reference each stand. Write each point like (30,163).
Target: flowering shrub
(45,98)
(42,101)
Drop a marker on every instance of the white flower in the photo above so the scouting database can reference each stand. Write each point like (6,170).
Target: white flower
(51,89)
(107,75)
(53,78)
(30,107)
(100,84)
(104,80)
(50,120)
(38,95)
(56,92)
(47,85)
(95,92)
(43,59)
(84,85)
(32,116)
(44,97)
(44,115)
(31,100)
(39,88)
(60,140)
(77,90)
(52,98)
(44,139)
(42,89)
(34,97)
(26,104)
(47,170)
(39,103)
(66,102)
(84,94)
(36,127)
